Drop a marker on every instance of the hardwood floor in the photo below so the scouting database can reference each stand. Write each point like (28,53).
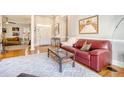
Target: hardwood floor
(107,73)
(23,52)
(14,53)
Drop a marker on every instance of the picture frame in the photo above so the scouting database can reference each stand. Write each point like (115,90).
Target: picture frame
(15,34)
(56,29)
(89,25)
(15,28)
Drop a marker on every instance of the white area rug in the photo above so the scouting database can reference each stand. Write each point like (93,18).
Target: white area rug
(16,47)
(41,65)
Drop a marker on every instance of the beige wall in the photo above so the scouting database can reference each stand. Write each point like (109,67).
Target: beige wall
(45,28)
(44,20)
(62,26)
(0,28)
(22,28)
(0,22)
(107,24)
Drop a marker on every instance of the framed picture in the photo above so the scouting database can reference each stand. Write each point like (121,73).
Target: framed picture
(88,25)
(57,29)
(15,34)
(15,28)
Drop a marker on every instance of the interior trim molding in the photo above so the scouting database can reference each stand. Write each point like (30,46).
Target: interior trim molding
(118,63)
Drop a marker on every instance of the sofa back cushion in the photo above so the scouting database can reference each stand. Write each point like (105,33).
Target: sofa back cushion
(79,43)
(12,39)
(96,44)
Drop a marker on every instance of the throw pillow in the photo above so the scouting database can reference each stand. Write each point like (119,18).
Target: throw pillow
(86,47)
(70,42)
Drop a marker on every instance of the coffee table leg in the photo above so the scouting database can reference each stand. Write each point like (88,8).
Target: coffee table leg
(48,52)
(73,65)
(60,65)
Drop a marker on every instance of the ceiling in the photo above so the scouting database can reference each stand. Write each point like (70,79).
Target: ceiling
(19,19)
(22,19)
(50,16)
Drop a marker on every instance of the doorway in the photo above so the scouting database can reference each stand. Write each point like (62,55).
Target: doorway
(43,35)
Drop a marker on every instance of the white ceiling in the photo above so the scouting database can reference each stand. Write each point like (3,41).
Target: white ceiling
(19,19)
(23,19)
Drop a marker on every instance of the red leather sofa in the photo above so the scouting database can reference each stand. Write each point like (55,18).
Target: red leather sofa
(99,56)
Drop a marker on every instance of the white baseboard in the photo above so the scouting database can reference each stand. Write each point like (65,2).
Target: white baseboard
(118,63)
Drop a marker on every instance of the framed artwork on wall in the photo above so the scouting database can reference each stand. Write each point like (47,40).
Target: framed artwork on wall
(15,34)
(89,25)
(15,28)
(56,28)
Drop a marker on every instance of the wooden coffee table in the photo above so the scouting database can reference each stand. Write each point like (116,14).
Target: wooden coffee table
(61,55)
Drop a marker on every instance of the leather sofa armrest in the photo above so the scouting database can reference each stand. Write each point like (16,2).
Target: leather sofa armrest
(98,51)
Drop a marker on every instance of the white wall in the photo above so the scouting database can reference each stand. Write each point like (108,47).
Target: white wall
(118,49)
(22,28)
(62,26)
(106,26)
(45,27)
(119,34)
(0,28)
(0,33)
(44,20)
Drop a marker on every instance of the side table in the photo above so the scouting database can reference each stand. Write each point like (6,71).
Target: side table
(55,41)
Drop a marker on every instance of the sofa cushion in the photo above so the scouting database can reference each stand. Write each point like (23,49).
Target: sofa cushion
(16,38)
(9,39)
(83,54)
(98,51)
(96,44)
(12,39)
(79,43)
